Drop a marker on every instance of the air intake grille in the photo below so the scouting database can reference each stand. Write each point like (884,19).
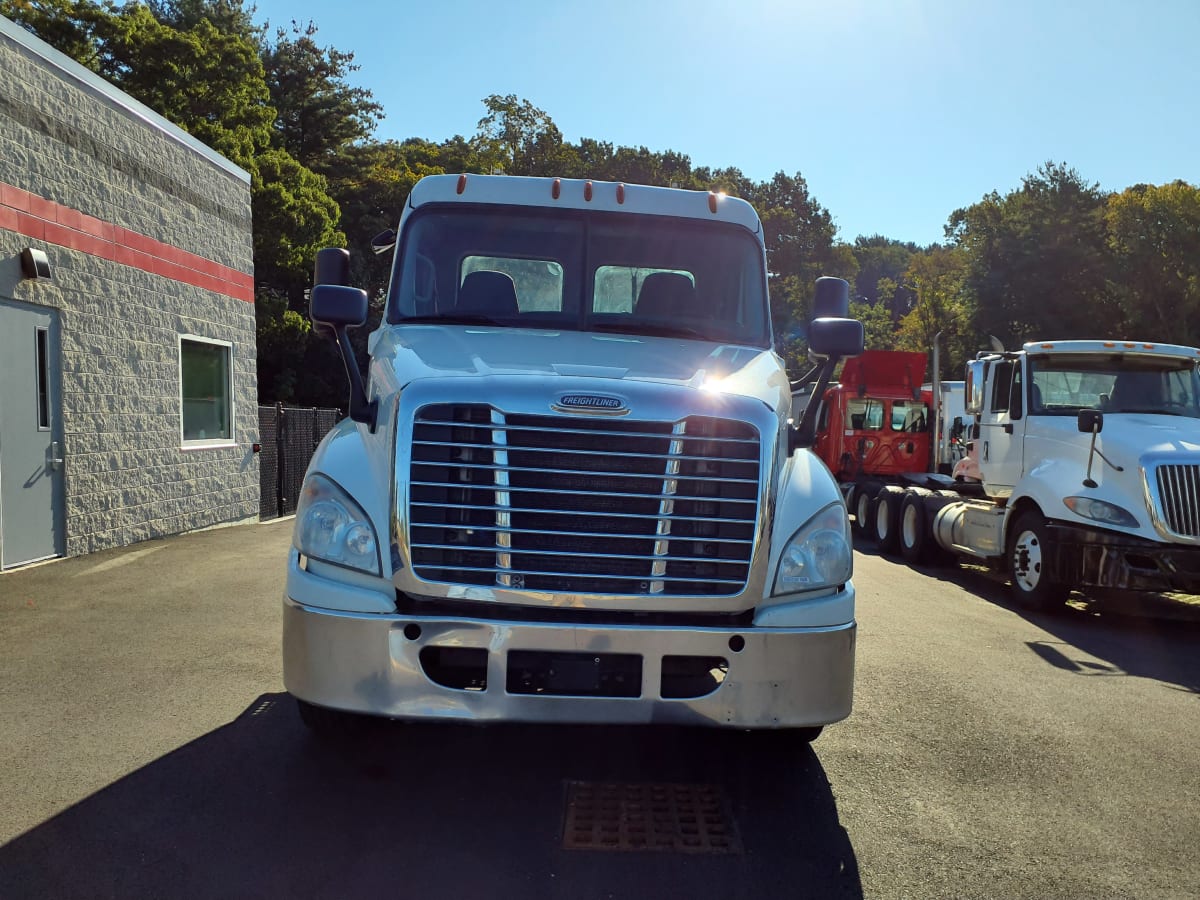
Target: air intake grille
(581,505)
(1179,498)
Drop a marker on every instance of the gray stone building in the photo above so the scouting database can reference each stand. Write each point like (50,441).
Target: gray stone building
(128,402)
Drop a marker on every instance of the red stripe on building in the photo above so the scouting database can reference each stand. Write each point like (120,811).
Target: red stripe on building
(44,220)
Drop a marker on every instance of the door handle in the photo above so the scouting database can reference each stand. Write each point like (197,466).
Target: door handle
(56,458)
(1008,427)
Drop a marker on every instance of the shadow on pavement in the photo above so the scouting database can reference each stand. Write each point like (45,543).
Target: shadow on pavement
(1144,635)
(259,808)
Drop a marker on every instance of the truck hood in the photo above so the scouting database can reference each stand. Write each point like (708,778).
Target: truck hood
(1056,457)
(1133,434)
(402,354)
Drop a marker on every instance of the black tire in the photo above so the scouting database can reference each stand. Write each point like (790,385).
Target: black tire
(1029,549)
(329,724)
(784,740)
(863,495)
(885,518)
(914,531)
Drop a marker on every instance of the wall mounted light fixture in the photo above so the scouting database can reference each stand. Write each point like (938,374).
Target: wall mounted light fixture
(35,264)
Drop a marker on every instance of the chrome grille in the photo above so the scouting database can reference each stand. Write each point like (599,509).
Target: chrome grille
(1179,498)
(582,505)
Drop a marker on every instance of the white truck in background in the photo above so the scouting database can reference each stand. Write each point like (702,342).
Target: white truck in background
(1089,459)
(569,491)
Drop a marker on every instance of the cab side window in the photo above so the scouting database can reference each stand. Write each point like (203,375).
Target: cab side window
(1002,385)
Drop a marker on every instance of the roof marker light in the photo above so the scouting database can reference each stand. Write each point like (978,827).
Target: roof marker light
(1147,346)
(712,201)
(1109,344)
(620,193)
(556,188)
(587,191)
(1130,346)
(462,183)
(1047,346)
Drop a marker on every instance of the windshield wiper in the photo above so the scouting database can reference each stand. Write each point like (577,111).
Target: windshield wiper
(473,319)
(654,330)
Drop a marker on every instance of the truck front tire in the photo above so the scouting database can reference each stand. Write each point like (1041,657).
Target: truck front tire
(328,724)
(1029,552)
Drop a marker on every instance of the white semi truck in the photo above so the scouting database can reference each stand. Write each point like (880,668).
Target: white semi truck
(1089,459)
(569,491)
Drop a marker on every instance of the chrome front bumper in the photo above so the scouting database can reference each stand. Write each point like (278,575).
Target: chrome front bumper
(780,677)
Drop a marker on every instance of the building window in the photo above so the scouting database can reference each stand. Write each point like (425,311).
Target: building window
(205,391)
(43,378)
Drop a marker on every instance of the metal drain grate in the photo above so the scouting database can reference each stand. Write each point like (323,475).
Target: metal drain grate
(679,818)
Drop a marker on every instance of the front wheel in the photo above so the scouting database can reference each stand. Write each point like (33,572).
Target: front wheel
(329,724)
(1029,553)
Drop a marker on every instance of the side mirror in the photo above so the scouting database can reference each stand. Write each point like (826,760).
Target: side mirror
(832,298)
(338,306)
(836,336)
(1090,420)
(332,266)
(333,303)
(957,428)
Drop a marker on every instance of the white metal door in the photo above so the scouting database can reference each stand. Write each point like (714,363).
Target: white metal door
(31,477)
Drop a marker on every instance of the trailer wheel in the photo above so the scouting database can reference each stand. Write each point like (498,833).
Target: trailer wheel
(914,534)
(861,496)
(1033,585)
(886,519)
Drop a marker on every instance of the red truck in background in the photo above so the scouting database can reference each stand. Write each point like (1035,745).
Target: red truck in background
(877,431)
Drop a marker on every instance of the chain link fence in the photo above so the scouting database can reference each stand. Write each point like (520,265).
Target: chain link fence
(289,435)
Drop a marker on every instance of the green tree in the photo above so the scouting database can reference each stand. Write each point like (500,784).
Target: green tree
(1154,236)
(319,115)
(1038,264)
(936,279)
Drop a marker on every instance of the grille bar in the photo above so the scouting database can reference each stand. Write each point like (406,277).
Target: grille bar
(601,473)
(559,503)
(658,435)
(539,490)
(617,453)
(579,513)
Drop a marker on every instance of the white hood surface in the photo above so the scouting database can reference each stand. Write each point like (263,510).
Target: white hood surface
(416,352)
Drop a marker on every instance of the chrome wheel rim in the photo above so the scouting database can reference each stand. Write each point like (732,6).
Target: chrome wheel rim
(882,519)
(862,508)
(1027,561)
(908,530)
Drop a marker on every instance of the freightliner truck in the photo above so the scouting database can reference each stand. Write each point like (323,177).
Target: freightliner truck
(1088,455)
(569,490)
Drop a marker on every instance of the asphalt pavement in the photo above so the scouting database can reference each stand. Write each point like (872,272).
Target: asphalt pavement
(150,751)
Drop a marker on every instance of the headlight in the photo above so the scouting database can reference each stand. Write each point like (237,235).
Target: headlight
(818,555)
(333,528)
(1101,511)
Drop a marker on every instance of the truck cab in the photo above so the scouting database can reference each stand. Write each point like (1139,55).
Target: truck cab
(569,490)
(1089,455)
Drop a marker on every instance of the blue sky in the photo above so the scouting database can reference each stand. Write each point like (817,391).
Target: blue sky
(896,113)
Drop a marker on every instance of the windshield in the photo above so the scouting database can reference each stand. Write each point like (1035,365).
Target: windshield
(581,271)
(1063,385)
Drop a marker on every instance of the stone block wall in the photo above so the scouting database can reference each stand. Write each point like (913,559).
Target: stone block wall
(148,233)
